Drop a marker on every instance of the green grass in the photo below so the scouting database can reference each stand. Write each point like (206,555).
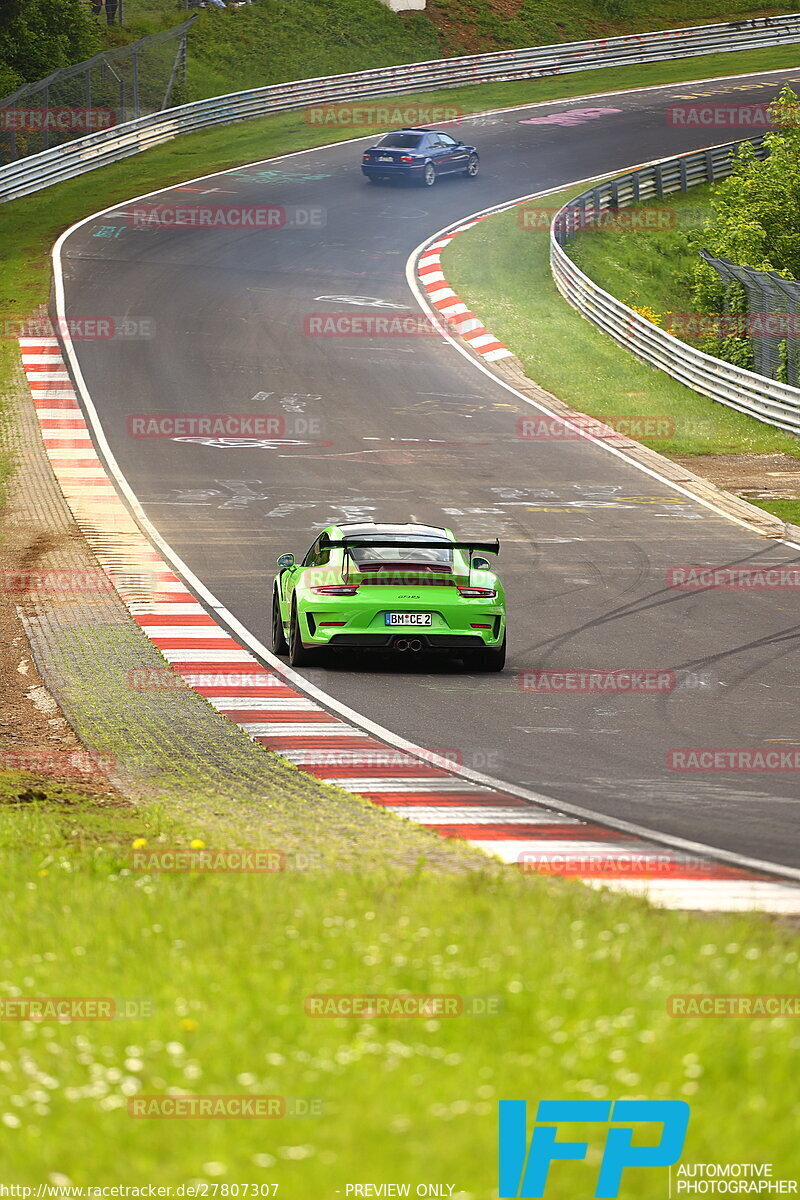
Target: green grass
(271,41)
(275,40)
(227,960)
(489,25)
(29,227)
(650,267)
(787,510)
(582,977)
(44,817)
(655,269)
(502,272)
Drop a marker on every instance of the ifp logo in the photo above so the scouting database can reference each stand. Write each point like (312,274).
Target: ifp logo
(523,1169)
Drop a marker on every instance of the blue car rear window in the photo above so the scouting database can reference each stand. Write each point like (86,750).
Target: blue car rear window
(401,141)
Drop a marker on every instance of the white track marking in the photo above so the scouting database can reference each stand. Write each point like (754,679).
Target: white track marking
(359,723)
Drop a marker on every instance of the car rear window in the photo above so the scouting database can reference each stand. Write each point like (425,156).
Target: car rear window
(375,556)
(401,141)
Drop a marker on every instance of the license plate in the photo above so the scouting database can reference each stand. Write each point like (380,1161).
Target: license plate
(385,158)
(393,618)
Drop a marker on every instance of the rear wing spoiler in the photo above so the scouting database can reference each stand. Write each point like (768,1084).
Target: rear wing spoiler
(378,543)
(367,543)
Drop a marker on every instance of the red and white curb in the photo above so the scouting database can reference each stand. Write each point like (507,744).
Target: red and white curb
(416,785)
(442,297)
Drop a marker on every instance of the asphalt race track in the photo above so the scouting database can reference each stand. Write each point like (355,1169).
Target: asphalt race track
(407,428)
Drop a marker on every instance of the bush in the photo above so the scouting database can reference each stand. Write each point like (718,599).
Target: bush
(755,223)
(38,36)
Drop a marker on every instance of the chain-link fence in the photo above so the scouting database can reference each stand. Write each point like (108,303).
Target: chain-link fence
(115,86)
(771,322)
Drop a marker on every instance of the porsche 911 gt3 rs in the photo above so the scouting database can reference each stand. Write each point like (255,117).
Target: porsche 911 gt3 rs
(398,588)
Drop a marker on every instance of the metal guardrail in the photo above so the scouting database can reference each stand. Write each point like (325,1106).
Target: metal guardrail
(775,403)
(111,145)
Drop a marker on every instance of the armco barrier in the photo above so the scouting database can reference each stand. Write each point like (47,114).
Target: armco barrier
(774,403)
(86,154)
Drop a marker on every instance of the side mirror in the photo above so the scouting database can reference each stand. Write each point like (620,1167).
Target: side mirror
(480,564)
(285,561)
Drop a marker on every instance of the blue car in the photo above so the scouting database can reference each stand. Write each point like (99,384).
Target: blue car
(421,155)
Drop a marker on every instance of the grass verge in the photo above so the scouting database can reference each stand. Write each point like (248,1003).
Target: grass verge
(787,510)
(501,270)
(650,267)
(653,268)
(271,41)
(28,227)
(578,982)
(45,818)
(492,24)
(224,961)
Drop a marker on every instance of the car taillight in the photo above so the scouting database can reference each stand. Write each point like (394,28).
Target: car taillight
(406,158)
(366,157)
(336,589)
(476,593)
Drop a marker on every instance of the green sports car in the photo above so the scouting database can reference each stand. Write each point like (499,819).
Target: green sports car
(399,588)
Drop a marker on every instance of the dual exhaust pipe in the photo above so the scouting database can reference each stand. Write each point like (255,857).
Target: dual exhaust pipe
(413,644)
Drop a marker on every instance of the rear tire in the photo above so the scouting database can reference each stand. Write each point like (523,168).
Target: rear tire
(371,179)
(473,166)
(299,656)
(280,645)
(490,658)
(429,175)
